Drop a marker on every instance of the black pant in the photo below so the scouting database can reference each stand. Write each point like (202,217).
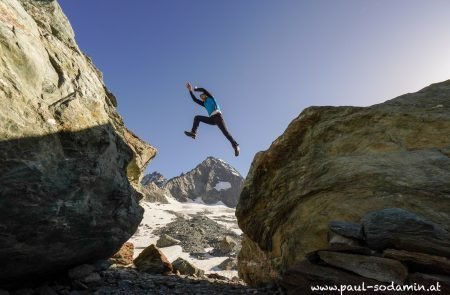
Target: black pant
(216,119)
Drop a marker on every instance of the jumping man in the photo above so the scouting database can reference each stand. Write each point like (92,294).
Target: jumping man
(215,116)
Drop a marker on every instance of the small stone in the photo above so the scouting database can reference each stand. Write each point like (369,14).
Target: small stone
(216,276)
(125,255)
(152,260)
(167,241)
(186,268)
(226,246)
(228,264)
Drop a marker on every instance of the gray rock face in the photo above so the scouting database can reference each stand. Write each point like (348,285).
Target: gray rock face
(213,180)
(154,177)
(153,193)
(68,165)
(401,229)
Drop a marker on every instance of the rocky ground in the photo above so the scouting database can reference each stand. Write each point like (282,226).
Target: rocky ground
(86,280)
(199,233)
(208,236)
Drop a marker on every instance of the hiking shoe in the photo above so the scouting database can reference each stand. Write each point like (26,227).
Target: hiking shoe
(190,134)
(237,150)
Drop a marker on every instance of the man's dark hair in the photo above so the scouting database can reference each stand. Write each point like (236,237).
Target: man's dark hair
(203,90)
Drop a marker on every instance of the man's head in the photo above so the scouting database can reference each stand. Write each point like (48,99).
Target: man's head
(203,96)
(205,93)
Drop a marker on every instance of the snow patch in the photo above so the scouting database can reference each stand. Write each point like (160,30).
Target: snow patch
(222,186)
(157,215)
(196,201)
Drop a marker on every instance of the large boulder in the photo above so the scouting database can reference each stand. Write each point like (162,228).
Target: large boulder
(67,163)
(339,163)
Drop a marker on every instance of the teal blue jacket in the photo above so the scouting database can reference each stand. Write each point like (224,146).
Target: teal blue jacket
(210,103)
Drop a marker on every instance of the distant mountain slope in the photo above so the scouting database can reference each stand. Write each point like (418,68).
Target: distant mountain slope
(212,181)
(155,177)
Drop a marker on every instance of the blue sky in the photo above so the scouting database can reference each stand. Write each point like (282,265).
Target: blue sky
(264,61)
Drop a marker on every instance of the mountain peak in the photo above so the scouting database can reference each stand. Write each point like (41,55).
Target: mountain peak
(154,177)
(213,180)
(216,163)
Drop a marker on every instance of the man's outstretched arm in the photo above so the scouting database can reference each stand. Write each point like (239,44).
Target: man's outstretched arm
(195,99)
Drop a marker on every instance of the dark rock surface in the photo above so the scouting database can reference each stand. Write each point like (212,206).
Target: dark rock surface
(431,279)
(400,229)
(420,261)
(299,278)
(346,229)
(377,268)
(129,281)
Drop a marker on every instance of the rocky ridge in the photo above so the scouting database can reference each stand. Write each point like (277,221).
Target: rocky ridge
(212,181)
(339,163)
(61,132)
(154,177)
(153,193)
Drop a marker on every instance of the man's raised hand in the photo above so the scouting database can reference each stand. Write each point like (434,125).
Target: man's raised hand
(189,86)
